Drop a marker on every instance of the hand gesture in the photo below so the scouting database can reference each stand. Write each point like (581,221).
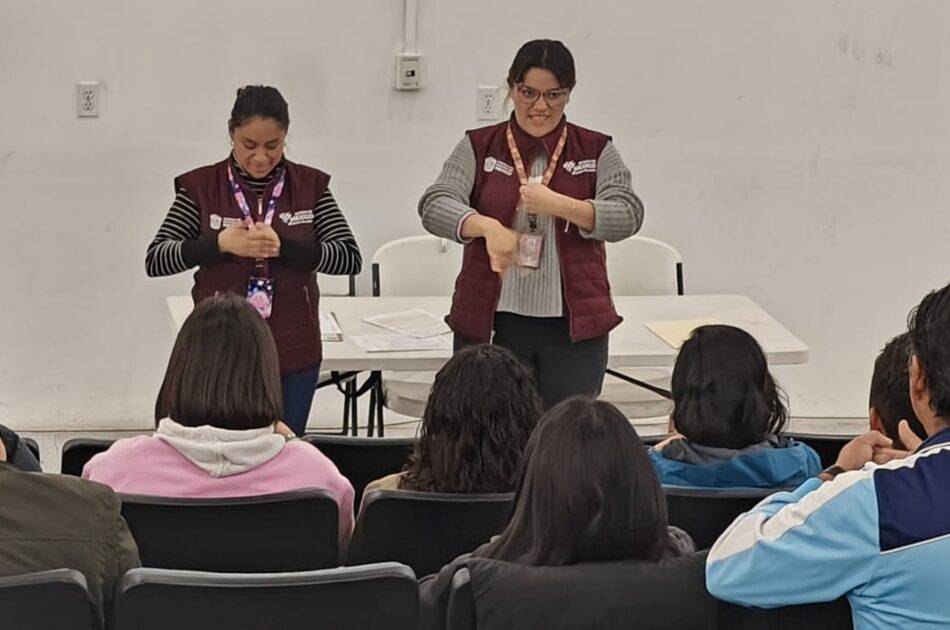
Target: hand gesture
(255,241)
(539,199)
(502,243)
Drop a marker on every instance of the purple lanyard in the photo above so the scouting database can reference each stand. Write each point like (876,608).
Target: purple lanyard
(242,200)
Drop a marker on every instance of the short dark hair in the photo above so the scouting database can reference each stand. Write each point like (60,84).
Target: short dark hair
(482,408)
(223,370)
(929,329)
(546,54)
(587,492)
(259,100)
(723,393)
(889,395)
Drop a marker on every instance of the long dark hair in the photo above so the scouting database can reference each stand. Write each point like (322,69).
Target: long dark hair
(223,369)
(482,408)
(723,393)
(587,492)
(546,54)
(259,100)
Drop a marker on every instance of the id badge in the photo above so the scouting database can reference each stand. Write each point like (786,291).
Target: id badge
(260,295)
(529,250)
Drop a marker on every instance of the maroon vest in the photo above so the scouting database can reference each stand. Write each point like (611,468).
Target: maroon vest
(295,317)
(495,194)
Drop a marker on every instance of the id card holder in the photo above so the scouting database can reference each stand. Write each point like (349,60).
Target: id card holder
(529,250)
(260,295)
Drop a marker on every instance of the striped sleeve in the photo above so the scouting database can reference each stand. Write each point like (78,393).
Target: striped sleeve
(444,204)
(178,244)
(811,545)
(618,212)
(339,252)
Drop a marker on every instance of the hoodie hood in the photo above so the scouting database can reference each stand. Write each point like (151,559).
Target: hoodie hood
(782,463)
(221,452)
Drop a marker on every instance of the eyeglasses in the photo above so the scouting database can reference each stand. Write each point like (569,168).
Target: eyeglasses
(529,96)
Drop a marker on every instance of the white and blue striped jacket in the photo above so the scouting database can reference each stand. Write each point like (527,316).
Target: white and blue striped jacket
(880,535)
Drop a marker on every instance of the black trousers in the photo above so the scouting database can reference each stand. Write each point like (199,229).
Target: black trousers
(561,368)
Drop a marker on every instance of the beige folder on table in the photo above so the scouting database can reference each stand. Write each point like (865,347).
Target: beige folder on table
(675,332)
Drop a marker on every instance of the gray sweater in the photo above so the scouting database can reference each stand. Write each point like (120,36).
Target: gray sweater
(618,214)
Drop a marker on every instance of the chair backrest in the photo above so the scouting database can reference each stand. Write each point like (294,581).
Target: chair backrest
(78,451)
(52,600)
(287,531)
(374,596)
(425,530)
(416,266)
(834,615)
(827,446)
(31,444)
(362,460)
(336,286)
(705,513)
(640,265)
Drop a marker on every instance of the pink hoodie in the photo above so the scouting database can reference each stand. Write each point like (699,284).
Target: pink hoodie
(147,464)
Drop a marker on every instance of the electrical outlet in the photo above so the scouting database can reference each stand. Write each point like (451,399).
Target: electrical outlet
(488,102)
(87,99)
(408,67)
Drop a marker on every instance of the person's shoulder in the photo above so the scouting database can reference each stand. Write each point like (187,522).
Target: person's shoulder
(589,135)
(305,170)
(69,494)
(487,131)
(201,171)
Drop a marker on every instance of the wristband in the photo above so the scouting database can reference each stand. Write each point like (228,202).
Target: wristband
(834,470)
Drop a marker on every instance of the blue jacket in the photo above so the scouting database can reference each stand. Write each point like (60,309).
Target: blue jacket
(781,467)
(880,535)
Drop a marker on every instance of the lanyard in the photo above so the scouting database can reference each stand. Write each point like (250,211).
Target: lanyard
(242,200)
(523,175)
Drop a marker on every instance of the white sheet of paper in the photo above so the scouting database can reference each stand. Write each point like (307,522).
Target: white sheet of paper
(400,343)
(675,332)
(329,327)
(414,323)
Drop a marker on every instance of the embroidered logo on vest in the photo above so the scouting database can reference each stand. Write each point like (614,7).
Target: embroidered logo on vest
(216,221)
(579,168)
(300,217)
(491,164)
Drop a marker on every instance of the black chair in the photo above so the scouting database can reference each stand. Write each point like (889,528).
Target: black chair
(78,451)
(827,446)
(373,596)
(287,531)
(52,600)
(32,445)
(362,460)
(705,513)
(425,530)
(835,615)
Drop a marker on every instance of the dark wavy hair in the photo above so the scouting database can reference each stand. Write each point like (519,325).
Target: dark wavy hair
(587,492)
(546,54)
(723,393)
(482,408)
(929,329)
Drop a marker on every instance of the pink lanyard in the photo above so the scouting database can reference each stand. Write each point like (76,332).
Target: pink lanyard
(242,200)
(552,163)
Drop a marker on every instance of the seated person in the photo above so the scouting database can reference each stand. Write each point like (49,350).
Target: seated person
(875,527)
(890,396)
(55,522)
(18,453)
(479,415)
(728,416)
(218,421)
(586,493)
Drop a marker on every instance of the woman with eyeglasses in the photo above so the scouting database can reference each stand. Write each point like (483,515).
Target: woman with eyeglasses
(533,199)
(258,225)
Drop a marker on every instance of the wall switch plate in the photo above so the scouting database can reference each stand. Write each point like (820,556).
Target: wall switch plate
(488,102)
(87,99)
(408,67)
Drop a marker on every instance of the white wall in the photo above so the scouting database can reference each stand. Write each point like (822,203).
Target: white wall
(792,150)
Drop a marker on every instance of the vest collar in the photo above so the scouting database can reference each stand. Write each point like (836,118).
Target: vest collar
(531,146)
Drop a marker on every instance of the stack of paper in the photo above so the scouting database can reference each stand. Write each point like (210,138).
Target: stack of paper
(413,323)
(400,343)
(675,332)
(329,327)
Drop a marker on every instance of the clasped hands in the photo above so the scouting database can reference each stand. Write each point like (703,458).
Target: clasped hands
(250,240)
